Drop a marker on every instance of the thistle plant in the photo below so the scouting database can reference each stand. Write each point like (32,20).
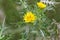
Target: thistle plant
(27,22)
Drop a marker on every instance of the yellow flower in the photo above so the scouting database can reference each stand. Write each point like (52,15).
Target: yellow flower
(41,5)
(29,17)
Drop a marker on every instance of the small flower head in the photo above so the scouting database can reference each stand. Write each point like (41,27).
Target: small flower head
(29,17)
(41,5)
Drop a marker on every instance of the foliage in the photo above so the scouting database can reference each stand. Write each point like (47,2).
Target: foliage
(18,29)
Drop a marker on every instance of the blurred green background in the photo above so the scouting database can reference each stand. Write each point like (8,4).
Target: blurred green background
(13,11)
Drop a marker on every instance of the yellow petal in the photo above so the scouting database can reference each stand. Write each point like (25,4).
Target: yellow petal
(41,5)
